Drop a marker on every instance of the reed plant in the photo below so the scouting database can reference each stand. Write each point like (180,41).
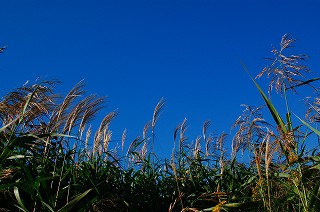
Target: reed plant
(51,159)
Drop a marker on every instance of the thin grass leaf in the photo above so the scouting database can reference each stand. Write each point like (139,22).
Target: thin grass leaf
(28,101)
(315,167)
(7,125)
(17,195)
(314,197)
(315,158)
(276,116)
(73,202)
(24,140)
(48,206)
(18,157)
(309,126)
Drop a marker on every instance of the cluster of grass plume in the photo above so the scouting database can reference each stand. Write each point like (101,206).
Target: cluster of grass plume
(52,160)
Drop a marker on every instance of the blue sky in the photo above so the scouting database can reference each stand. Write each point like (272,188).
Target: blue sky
(136,52)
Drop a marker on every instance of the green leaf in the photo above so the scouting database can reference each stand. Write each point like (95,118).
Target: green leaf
(18,157)
(308,125)
(28,101)
(314,199)
(7,186)
(4,127)
(315,167)
(276,116)
(282,175)
(23,140)
(48,206)
(73,202)
(17,195)
(288,118)
(315,158)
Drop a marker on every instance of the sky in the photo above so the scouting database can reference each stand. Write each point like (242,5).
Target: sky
(136,52)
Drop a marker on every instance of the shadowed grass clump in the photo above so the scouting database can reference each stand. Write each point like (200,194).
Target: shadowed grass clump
(51,159)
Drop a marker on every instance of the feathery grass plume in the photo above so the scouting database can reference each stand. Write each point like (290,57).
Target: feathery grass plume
(60,114)
(74,115)
(313,111)
(88,134)
(156,115)
(7,173)
(123,138)
(133,145)
(31,103)
(208,143)
(27,110)
(175,135)
(132,150)
(156,112)
(220,141)
(219,145)
(83,112)
(257,158)
(144,150)
(103,126)
(107,134)
(288,141)
(197,147)
(182,138)
(205,127)
(145,130)
(92,107)
(251,129)
(270,149)
(285,71)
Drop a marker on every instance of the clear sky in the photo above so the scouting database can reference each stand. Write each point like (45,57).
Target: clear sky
(136,52)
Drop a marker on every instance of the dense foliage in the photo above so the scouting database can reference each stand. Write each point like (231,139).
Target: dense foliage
(51,161)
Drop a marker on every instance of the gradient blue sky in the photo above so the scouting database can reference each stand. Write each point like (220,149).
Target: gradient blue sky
(136,52)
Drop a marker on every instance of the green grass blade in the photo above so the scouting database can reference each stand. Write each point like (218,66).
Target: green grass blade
(73,202)
(314,196)
(17,195)
(309,126)
(7,125)
(48,206)
(288,118)
(18,157)
(276,116)
(28,101)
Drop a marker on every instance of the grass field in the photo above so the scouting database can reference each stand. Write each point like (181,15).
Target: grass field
(50,160)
